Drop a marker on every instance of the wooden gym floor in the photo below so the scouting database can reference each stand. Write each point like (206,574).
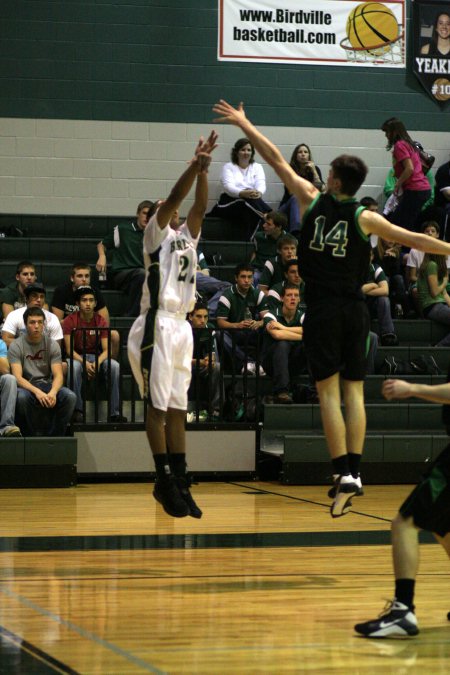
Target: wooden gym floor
(97,579)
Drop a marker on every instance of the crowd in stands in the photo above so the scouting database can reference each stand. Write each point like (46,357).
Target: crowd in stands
(50,347)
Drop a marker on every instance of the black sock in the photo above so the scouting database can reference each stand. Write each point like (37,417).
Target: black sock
(404,591)
(178,463)
(354,460)
(162,465)
(341,465)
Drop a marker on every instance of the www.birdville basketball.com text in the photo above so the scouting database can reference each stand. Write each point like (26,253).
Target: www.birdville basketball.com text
(298,36)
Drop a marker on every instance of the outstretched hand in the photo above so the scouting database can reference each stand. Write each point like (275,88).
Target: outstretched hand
(207,145)
(395,389)
(202,155)
(229,114)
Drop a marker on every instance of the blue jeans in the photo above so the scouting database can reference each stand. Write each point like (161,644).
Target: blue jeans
(292,211)
(439,312)
(8,396)
(283,360)
(32,416)
(210,286)
(382,306)
(78,379)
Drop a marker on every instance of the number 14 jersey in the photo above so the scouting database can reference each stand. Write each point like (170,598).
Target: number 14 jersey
(333,251)
(170,260)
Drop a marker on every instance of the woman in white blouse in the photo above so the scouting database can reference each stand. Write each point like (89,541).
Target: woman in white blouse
(244,184)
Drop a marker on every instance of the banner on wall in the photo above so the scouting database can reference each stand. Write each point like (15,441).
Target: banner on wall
(319,32)
(431,48)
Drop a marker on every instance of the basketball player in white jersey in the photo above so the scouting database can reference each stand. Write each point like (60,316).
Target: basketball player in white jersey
(160,340)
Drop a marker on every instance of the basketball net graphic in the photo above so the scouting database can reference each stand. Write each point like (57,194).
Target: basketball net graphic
(373,35)
(387,52)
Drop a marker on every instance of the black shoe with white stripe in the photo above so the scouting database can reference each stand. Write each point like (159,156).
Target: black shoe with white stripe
(397,620)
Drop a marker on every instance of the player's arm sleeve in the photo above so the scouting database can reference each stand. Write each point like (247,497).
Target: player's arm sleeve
(14,353)
(108,240)
(223,307)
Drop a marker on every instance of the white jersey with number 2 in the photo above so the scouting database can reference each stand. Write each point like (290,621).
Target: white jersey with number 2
(170,260)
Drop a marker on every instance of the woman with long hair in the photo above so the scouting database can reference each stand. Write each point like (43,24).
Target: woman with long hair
(304,166)
(432,288)
(440,38)
(244,185)
(412,187)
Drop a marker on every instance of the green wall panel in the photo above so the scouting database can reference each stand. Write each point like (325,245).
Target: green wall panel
(128,59)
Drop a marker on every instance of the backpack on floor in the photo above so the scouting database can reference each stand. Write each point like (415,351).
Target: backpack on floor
(424,364)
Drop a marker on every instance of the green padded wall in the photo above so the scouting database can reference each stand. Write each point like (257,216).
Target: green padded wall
(156,61)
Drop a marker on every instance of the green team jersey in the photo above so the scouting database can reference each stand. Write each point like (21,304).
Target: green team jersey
(265,248)
(232,304)
(127,243)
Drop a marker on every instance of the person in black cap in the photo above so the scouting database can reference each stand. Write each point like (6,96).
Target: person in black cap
(90,347)
(14,324)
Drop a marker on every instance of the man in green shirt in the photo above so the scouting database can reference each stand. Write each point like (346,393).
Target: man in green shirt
(13,294)
(273,271)
(291,276)
(376,292)
(283,353)
(237,316)
(127,244)
(266,242)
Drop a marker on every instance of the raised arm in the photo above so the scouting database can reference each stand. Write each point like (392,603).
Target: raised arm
(374,223)
(198,209)
(302,189)
(198,165)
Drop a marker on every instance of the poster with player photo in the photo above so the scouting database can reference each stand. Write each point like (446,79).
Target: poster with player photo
(431,48)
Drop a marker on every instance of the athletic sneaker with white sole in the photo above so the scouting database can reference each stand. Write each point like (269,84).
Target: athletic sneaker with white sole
(346,488)
(396,620)
(332,491)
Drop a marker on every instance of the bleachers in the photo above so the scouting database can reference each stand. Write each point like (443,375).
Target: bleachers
(400,435)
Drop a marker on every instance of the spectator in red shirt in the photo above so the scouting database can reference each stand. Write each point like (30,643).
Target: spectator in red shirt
(91,347)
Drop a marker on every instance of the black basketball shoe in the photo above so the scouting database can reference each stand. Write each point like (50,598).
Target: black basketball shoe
(167,493)
(397,620)
(183,486)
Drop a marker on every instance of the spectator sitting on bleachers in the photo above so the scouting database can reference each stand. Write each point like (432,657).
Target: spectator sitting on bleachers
(432,289)
(127,244)
(304,166)
(283,354)
(64,300)
(291,276)
(273,271)
(12,295)
(238,309)
(442,198)
(93,345)
(265,242)
(35,360)
(15,325)
(414,261)
(204,385)
(209,288)
(8,396)
(376,291)
(244,185)
(371,204)
(388,256)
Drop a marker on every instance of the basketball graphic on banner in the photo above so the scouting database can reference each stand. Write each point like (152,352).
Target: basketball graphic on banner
(371,25)
(441,89)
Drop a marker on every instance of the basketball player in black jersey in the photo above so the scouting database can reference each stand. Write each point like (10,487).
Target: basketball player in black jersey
(333,258)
